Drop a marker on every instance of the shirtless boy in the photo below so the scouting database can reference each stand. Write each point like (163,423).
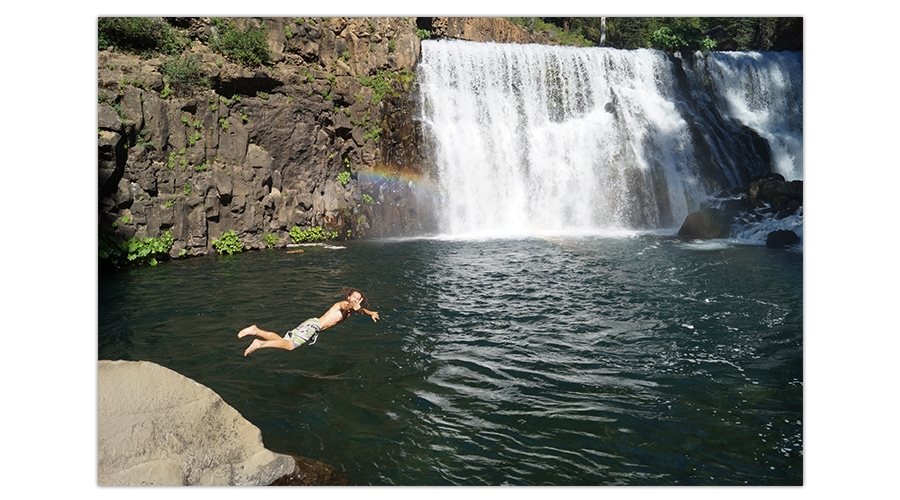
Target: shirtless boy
(309,330)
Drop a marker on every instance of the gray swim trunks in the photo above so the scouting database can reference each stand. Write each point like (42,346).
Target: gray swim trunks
(306,333)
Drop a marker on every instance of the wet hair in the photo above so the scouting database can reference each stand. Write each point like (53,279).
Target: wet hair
(347,291)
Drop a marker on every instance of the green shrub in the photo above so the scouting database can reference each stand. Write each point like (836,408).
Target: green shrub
(373,132)
(134,251)
(143,142)
(344,177)
(183,75)
(681,39)
(229,243)
(269,239)
(246,47)
(381,85)
(311,235)
(146,36)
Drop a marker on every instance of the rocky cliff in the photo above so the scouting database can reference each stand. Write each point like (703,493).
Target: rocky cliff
(480,29)
(260,150)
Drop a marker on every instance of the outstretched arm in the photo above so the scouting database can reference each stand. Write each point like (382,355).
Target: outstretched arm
(373,314)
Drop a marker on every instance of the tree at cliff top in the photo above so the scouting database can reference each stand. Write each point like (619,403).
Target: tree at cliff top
(750,33)
(681,38)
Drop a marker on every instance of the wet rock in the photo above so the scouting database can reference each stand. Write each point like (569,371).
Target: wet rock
(782,238)
(706,223)
(312,473)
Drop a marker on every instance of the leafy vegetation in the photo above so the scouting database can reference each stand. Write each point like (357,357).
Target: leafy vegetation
(183,75)
(269,239)
(681,38)
(311,235)
(143,142)
(750,33)
(229,243)
(134,251)
(380,84)
(246,47)
(146,36)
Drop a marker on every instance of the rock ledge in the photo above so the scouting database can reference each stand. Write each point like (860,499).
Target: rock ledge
(156,427)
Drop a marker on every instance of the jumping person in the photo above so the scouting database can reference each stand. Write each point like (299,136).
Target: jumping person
(309,330)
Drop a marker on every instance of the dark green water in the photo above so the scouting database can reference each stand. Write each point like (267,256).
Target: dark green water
(639,360)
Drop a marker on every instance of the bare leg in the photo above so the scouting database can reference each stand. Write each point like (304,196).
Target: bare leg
(253,330)
(280,343)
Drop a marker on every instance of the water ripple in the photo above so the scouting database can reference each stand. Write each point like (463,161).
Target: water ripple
(566,361)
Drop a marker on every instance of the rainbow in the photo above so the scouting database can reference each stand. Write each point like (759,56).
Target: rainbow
(384,175)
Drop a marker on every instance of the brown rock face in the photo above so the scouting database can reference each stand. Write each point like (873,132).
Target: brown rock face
(261,149)
(483,29)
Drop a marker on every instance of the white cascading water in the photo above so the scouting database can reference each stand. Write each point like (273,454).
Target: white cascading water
(535,139)
(763,90)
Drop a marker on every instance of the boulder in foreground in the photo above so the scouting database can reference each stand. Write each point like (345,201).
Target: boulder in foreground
(159,428)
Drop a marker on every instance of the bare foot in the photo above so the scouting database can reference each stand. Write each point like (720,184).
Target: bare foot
(250,330)
(254,346)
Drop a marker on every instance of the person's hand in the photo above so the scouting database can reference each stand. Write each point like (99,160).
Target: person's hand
(375,316)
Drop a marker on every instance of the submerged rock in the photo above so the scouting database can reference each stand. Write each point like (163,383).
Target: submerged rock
(156,427)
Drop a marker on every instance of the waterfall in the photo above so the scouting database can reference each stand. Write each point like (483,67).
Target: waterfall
(534,139)
(763,90)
